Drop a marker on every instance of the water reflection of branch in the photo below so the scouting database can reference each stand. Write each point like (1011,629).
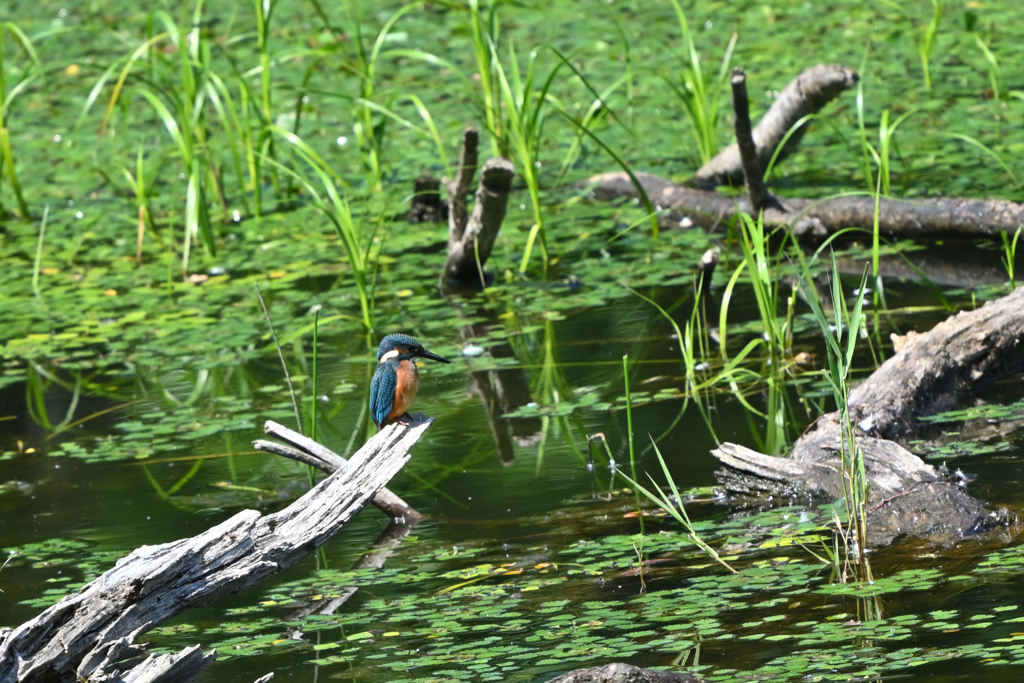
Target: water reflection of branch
(501,392)
(383,548)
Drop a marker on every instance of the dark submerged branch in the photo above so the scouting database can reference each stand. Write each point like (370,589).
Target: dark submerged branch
(758,193)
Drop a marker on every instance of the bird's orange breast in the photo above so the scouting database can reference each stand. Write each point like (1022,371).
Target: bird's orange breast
(405,390)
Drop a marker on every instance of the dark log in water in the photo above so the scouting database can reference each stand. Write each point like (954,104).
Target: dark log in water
(471,236)
(930,373)
(458,189)
(86,634)
(758,193)
(806,94)
(426,201)
(901,218)
(936,370)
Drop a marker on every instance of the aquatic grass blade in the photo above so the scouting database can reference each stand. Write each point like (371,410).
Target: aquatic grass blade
(652,212)
(987,150)
(782,143)
(678,513)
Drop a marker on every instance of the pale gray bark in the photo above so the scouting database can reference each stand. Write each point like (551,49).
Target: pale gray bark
(625,673)
(91,628)
(319,456)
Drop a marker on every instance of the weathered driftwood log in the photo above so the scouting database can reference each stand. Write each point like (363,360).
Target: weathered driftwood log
(468,254)
(85,633)
(902,218)
(324,459)
(930,373)
(806,94)
(624,673)
(936,370)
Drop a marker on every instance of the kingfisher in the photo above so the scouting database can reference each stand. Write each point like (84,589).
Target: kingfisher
(396,378)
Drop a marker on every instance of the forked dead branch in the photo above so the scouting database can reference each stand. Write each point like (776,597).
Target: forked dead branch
(694,203)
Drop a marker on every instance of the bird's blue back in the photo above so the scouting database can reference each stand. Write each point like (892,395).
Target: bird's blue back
(382,391)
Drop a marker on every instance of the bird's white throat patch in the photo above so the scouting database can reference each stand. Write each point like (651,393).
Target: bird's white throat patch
(393,353)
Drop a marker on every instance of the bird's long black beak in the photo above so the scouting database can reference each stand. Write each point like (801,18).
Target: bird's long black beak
(434,356)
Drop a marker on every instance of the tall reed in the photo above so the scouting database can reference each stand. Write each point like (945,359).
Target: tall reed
(1010,254)
(925,35)
(840,336)
(777,335)
(324,194)
(525,100)
(9,91)
(671,505)
(179,91)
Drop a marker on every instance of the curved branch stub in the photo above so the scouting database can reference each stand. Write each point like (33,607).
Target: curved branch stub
(806,94)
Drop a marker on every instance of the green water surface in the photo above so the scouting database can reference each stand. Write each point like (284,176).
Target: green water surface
(129,395)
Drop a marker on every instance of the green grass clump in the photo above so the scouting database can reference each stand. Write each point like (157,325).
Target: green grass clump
(700,92)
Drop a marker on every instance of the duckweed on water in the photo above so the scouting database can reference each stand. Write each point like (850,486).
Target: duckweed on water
(127,367)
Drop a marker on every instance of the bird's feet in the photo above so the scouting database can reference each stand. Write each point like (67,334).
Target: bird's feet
(405,420)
